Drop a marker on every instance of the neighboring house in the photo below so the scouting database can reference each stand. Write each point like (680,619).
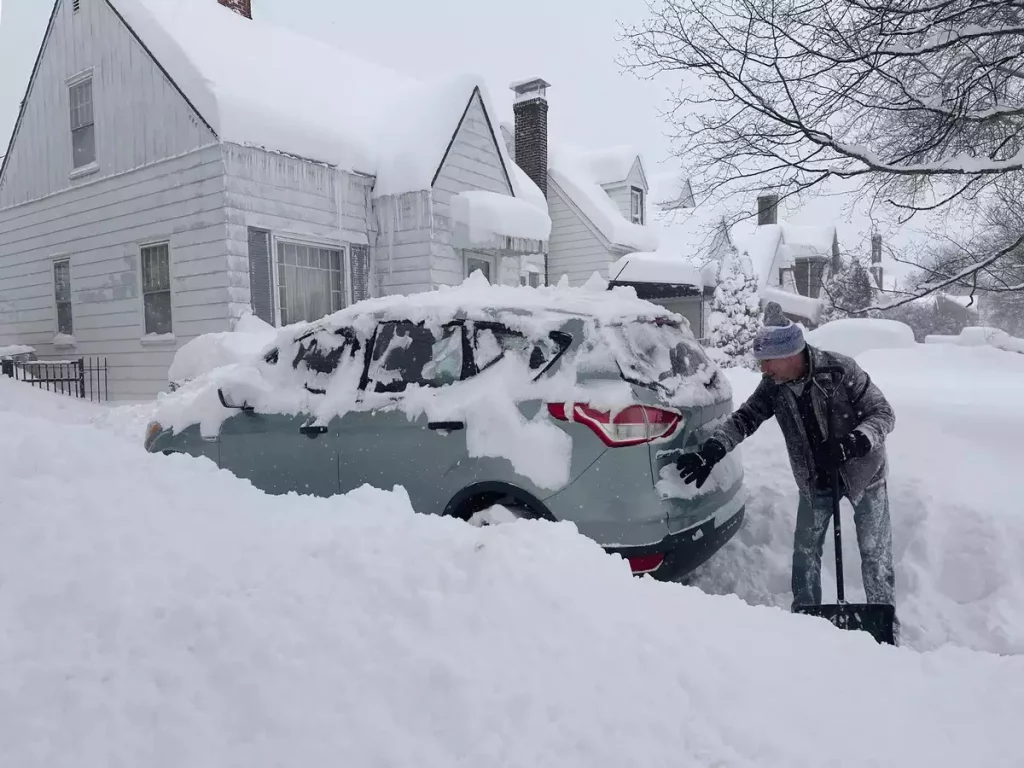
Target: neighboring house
(791,262)
(175,165)
(597,200)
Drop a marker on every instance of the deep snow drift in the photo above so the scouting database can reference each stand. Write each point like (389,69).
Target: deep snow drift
(956,488)
(159,612)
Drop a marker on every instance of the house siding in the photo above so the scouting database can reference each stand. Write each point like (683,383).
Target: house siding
(292,198)
(100,227)
(573,248)
(473,162)
(139,116)
(620,193)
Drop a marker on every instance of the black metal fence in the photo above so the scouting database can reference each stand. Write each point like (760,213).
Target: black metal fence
(84,378)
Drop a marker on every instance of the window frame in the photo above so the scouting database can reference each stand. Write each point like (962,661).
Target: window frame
(143,293)
(55,261)
(77,81)
(285,238)
(636,194)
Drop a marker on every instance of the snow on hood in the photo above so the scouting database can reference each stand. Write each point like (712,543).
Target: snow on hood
(158,611)
(213,350)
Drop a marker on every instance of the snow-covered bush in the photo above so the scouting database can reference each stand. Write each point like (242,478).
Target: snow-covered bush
(735,314)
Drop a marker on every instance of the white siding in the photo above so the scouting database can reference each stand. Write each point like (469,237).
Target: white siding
(289,197)
(473,162)
(139,116)
(100,227)
(574,249)
(401,244)
(620,193)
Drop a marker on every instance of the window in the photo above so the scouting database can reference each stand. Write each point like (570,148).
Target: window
(491,342)
(310,281)
(83,136)
(156,288)
(474,263)
(62,294)
(531,279)
(636,205)
(407,353)
(808,274)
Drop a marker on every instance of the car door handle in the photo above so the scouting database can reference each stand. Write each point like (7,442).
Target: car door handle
(445,426)
(313,430)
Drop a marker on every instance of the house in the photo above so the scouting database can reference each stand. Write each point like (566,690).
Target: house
(597,200)
(175,165)
(791,262)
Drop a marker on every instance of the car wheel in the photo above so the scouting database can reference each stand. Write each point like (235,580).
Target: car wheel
(498,515)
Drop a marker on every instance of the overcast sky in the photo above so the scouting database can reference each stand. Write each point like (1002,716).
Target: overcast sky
(570,43)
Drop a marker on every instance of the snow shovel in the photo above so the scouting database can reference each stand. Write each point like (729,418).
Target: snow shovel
(877,619)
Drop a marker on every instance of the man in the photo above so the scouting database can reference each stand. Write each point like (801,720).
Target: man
(797,384)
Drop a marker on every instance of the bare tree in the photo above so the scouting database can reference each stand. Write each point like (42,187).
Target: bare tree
(922,100)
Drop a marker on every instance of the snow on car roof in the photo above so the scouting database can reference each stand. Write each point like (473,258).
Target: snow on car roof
(476,298)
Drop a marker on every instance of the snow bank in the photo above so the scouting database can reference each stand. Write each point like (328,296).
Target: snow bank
(854,335)
(655,268)
(580,180)
(955,459)
(157,611)
(486,214)
(978,337)
(213,350)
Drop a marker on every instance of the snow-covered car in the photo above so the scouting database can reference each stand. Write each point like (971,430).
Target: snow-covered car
(555,403)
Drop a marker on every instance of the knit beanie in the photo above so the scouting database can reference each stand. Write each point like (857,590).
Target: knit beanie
(777,337)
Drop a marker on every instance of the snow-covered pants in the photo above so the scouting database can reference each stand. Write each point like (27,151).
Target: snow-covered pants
(874,536)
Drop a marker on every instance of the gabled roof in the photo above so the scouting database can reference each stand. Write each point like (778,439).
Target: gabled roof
(670,191)
(774,246)
(260,85)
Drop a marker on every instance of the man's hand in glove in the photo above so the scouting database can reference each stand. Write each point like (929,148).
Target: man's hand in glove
(697,466)
(851,446)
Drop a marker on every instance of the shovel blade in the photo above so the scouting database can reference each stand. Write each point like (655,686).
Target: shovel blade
(877,619)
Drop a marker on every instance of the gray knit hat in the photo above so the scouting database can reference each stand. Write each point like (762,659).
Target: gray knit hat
(777,337)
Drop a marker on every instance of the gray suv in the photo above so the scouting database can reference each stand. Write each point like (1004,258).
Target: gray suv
(621,487)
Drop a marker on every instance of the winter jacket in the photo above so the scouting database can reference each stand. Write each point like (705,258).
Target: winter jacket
(858,404)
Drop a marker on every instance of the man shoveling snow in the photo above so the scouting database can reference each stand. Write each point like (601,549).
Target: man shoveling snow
(792,391)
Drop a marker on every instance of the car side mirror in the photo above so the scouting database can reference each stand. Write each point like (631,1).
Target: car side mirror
(224,401)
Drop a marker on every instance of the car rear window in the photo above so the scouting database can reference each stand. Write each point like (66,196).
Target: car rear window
(647,353)
(493,341)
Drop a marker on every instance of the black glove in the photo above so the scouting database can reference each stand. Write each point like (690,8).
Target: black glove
(851,446)
(697,466)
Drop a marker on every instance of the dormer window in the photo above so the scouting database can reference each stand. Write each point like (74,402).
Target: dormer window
(636,205)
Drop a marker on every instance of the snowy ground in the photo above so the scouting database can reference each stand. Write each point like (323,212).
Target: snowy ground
(956,488)
(159,612)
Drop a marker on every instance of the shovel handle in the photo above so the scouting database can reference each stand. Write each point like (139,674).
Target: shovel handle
(836,490)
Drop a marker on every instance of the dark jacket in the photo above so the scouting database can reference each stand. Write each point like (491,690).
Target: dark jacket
(858,404)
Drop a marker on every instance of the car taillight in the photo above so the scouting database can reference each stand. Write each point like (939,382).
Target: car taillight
(645,563)
(633,425)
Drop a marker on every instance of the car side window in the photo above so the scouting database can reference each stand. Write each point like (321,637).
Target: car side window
(407,353)
(492,341)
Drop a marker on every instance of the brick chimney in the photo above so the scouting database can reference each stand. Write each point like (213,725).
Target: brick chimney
(241,7)
(876,259)
(767,208)
(531,111)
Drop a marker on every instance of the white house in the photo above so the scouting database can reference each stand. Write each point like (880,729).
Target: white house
(597,200)
(174,165)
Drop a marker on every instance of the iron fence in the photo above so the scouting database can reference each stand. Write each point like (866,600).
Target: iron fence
(84,378)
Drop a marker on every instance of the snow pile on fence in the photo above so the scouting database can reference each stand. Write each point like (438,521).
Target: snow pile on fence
(955,493)
(157,611)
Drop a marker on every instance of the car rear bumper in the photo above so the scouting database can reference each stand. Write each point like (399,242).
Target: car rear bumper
(680,553)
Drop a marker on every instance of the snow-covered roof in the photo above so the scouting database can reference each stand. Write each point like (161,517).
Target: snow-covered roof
(257,84)
(486,214)
(611,165)
(774,246)
(793,303)
(699,235)
(669,191)
(582,182)
(655,268)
